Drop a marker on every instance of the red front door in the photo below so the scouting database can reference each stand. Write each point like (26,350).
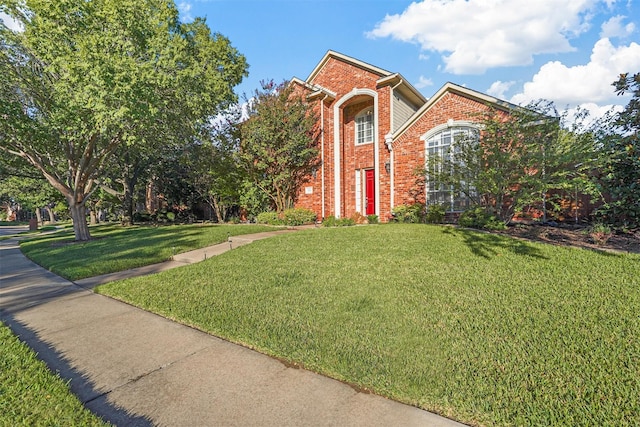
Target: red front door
(370,192)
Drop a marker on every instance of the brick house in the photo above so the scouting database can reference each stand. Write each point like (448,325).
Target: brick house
(376,130)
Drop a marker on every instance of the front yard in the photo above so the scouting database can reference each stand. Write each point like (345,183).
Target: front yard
(479,327)
(115,248)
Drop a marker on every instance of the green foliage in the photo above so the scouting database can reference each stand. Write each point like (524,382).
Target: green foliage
(409,213)
(600,233)
(87,78)
(487,329)
(252,199)
(621,173)
(298,216)
(270,218)
(214,170)
(332,221)
(290,217)
(517,159)
(372,219)
(480,218)
(61,211)
(435,214)
(31,394)
(278,143)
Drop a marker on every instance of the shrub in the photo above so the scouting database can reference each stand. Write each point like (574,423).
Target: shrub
(372,219)
(298,216)
(270,218)
(143,216)
(294,216)
(332,221)
(480,218)
(171,216)
(435,214)
(600,233)
(409,213)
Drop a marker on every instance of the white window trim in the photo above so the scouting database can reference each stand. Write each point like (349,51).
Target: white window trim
(366,112)
(338,143)
(438,129)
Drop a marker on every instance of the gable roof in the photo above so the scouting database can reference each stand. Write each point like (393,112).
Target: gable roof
(460,90)
(349,60)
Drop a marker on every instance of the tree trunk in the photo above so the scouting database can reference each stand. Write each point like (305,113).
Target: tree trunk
(52,217)
(92,217)
(39,215)
(128,184)
(80,227)
(127,205)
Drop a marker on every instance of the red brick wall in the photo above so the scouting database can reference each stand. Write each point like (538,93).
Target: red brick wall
(341,78)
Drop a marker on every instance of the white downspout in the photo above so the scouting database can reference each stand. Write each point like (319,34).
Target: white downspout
(322,153)
(389,143)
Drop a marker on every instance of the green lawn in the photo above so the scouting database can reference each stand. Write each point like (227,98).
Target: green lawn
(30,395)
(483,328)
(115,248)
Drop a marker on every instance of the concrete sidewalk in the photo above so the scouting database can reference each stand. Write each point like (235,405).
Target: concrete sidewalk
(134,368)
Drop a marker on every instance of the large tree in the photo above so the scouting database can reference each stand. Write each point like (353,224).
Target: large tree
(214,167)
(86,78)
(621,148)
(278,143)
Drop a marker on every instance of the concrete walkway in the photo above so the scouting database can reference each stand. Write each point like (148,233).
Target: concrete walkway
(134,368)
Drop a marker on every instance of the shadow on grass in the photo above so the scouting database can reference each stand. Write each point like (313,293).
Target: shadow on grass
(488,245)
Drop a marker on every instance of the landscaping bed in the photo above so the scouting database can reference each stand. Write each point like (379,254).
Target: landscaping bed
(577,236)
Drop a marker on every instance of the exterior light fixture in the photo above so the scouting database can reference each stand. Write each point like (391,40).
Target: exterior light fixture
(387,167)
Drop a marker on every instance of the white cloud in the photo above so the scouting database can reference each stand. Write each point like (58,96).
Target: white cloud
(184,8)
(595,112)
(614,28)
(588,83)
(11,23)
(499,88)
(475,35)
(423,82)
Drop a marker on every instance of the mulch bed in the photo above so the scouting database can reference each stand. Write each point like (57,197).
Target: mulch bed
(579,236)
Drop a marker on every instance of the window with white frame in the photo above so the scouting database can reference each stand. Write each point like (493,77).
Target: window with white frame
(443,145)
(364,126)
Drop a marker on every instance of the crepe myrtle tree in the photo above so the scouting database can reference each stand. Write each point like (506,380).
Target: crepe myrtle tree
(516,159)
(278,142)
(84,78)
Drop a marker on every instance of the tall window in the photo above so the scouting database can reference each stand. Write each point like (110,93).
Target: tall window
(364,126)
(443,145)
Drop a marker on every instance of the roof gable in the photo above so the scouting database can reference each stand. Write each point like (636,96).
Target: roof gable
(457,89)
(349,60)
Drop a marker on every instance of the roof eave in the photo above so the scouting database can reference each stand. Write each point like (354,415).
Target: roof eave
(452,87)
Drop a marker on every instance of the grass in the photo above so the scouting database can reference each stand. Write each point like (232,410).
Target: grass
(115,248)
(30,395)
(482,328)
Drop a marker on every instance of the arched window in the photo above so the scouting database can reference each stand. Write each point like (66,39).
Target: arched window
(441,145)
(364,126)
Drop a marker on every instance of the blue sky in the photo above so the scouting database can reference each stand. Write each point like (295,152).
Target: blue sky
(567,51)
